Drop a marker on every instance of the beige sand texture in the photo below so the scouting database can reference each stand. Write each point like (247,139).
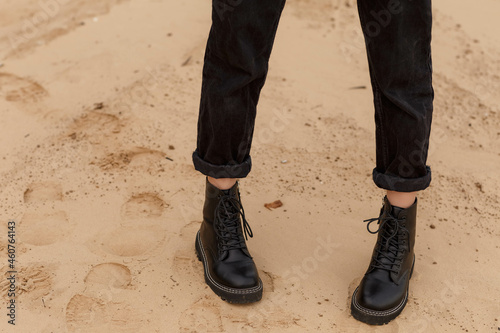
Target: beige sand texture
(96,94)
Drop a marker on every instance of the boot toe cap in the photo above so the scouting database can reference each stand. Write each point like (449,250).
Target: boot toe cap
(241,275)
(379,295)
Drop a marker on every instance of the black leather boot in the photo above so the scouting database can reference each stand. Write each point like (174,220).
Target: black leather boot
(220,245)
(383,291)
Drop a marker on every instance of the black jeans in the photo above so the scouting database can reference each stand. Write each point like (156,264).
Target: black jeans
(397,35)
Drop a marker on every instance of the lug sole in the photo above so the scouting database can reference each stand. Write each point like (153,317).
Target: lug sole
(228,294)
(374,317)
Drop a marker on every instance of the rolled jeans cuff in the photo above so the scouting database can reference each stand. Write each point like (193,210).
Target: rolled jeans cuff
(222,171)
(400,184)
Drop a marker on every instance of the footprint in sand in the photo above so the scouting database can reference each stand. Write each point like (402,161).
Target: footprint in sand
(33,281)
(95,311)
(44,225)
(43,191)
(93,125)
(83,312)
(143,205)
(144,159)
(106,280)
(114,274)
(93,315)
(202,316)
(17,89)
(140,233)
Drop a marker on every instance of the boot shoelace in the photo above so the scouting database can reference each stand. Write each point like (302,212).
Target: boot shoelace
(227,214)
(392,243)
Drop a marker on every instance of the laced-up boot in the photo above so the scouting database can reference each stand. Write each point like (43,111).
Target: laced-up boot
(229,268)
(383,291)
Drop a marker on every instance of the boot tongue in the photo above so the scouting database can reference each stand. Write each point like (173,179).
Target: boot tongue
(237,237)
(391,251)
(231,191)
(396,211)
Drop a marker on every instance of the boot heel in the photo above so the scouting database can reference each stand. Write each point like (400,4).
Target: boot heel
(197,249)
(412,266)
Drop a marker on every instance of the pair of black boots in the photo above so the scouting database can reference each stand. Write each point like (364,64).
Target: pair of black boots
(231,272)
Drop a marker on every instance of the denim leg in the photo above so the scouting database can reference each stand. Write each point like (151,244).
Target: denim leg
(234,72)
(398,37)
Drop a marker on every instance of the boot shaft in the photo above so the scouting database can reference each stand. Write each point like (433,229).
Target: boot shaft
(212,195)
(214,228)
(395,241)
(407,219)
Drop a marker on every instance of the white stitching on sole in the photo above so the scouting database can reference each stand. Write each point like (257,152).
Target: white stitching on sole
(224,288)
(378,313)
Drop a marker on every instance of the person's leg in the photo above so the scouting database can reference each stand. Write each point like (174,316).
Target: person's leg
(222,183)
(398,36)
(401,199)
(234,72)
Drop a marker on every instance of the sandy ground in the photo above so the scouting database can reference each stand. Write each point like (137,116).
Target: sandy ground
(99,104)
